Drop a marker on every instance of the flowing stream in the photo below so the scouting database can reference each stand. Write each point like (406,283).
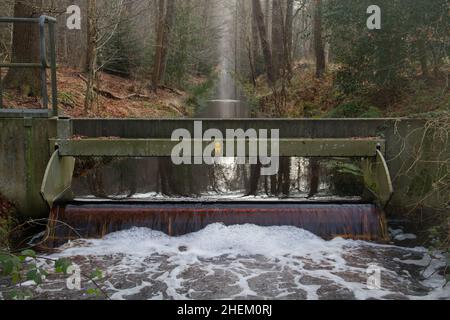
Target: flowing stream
(246,262)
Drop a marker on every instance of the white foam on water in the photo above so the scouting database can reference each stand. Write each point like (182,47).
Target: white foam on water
(213,241)
(237,256)
(406,236)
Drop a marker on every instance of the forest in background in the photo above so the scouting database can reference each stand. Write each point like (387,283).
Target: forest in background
(292,58)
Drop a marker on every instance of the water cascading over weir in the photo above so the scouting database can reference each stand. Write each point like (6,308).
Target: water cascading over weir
(73,217)
(91,148)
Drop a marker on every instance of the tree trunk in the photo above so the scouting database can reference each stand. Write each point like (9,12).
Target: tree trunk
(252,63)
(255,43)
(25,49)
(264,42)
(423,58)
(166,18)
(168,26)
(159,45)
(277,38)
(267,17)
(319,49)
(91,54)
(289,29)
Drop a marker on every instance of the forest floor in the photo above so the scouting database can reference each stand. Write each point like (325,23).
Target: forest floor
(116,97)
(307,97)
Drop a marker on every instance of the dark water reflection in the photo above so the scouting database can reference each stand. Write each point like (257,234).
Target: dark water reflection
(148,178)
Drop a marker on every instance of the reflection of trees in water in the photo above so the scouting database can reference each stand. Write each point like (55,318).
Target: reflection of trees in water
(125,178)
(195,180)
(278,185)
(314,177)
(255,176)
(183,180)
(228,176)
(305,177)
(126,182)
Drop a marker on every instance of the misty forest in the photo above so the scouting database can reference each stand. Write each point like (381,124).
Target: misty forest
(282,58)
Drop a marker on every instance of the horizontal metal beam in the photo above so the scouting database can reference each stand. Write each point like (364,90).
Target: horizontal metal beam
(163,147)
(24,113)
(27,20)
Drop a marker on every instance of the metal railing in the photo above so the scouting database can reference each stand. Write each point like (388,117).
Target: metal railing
(43,65)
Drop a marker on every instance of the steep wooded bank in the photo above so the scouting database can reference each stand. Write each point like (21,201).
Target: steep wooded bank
(117,97)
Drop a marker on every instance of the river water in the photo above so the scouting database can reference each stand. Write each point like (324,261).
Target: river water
(245,262)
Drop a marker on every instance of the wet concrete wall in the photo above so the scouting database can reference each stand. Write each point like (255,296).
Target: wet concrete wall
(24,154)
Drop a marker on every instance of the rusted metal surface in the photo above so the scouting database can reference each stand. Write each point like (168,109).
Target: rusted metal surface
(356,221)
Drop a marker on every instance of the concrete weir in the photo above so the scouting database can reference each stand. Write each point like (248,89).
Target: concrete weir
(26,145)
(95,220)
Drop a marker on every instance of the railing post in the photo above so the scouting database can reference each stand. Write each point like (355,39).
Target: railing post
(64,128)
(43,54)
(1,89)
(51,29)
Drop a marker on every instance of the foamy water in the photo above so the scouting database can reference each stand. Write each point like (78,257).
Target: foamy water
(250,262)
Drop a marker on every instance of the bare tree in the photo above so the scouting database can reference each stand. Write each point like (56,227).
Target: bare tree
(255,39)
(166,18)
(319,48)
(259,15)
(288,31)
(91,53)
(101,29)
(277,37)
(267,17)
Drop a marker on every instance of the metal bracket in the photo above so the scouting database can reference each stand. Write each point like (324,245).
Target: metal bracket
(378,178)
(58,179)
